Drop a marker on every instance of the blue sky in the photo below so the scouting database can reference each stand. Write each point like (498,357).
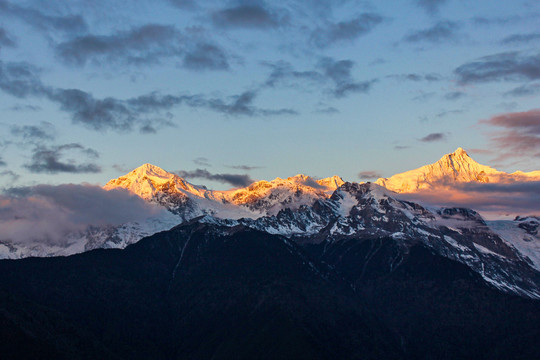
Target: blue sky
(260,89)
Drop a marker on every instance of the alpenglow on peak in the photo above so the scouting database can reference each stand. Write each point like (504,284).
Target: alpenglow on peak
(456,167)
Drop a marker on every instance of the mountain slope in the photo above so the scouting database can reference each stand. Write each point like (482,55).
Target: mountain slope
(198,291)
(206,290)
(457,167)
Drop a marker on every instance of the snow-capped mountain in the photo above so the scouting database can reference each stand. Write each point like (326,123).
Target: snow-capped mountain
(258,199)
(457,167)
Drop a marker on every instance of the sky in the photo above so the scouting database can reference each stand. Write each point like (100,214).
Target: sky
(227,92)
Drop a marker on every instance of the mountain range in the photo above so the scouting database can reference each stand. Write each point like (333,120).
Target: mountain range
(288,268)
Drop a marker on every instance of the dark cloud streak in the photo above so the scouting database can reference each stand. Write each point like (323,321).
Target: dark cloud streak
(68,24)
(509,66)
(345,30)
(431,6)
(237,180)
(145,112)
(441,31)
(249,16)
(370,175)
(50,160)
(433,137)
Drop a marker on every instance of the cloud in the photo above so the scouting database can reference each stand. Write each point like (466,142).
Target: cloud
(330,110)
(44,131)
(10,174)
(49,213)
(5,39)
(237,180)
(202,161)
(401,147)
(108,113)
(329,74)
(241,104)
(340,73)
(369,175)
(284,72)
(68,24)
(441,31)
(517,134)
(504,66)
(524,90)
(454,95)
(21,79)
(135,46)
(143,45)
(520,38)
(416,77)
(448,112)
(431,6)
(24,107)
(249,16)
(123,115)
(243,167)
(50,160)
(501,20)
(184,4)
(205,56)
(433,137)
(491,199)
(345,30)
(2,162)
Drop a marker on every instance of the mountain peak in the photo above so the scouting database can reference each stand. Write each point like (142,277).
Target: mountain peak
(453,167)
(332,182)
(150,170)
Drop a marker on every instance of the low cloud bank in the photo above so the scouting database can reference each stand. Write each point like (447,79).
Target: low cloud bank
(492,200)
(47,213)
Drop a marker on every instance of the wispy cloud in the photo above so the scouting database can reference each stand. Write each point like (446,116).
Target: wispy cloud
(6,40)
(416,77)
(454,95)
(243,167)
(498,67)
(339,71)
(369,175)
(524,90)
(348,30)
(13,177)
(202,161)
(431,6)
(515,135)
(42,132)
(441,31)
(67,24)
(521,38)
